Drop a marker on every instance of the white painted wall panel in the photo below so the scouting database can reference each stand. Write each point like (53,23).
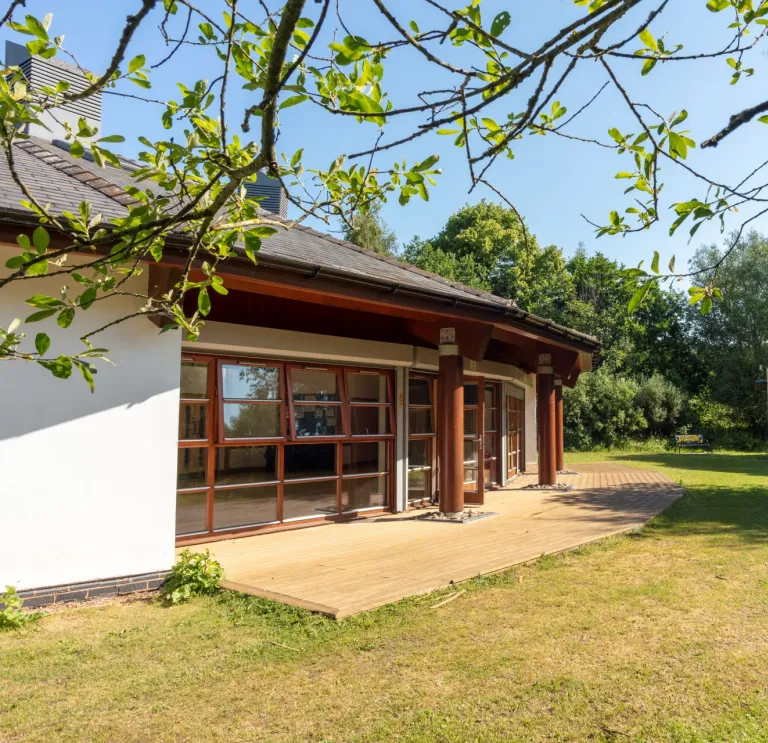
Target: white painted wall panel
(88,484)
(531,445)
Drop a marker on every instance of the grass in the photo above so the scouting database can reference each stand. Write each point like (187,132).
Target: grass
(659,636)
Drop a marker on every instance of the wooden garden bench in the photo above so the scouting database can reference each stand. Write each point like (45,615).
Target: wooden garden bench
(691,440)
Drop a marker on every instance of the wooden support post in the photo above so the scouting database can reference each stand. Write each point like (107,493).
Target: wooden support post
(450,424)
(559,459)
(545,400)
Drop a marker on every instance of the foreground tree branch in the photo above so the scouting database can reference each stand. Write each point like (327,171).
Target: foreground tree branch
(280,59)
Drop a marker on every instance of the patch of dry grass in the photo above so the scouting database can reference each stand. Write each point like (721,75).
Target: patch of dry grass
(655,637)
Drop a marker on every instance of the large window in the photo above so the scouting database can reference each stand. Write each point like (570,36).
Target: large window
(264,442)
(472,436)
(422,439)
(491,416)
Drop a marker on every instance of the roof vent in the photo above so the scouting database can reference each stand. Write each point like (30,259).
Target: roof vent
(48,72)
(269,193)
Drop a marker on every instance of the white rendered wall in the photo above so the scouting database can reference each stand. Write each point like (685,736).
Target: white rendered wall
(531,445)
(88,480)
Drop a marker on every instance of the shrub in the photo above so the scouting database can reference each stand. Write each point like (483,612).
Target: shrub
(194,574)
(11,615)
(661,403)
(601,411)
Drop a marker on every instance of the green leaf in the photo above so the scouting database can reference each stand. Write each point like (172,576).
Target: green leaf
(41,315)
(37,269)
(87,297)
(61,367)
(16,261)
(37,28)
(113,138)
(252,245)
(76,149)
(763,119)
(500,23)
(414,27)
(638,296)
(655,262)
(44,301)
(204,302)
(647,38)
(87,370)
(648,65)
(42,343)
(294,100)
(136,63)
(717,5)
(706,306)
(66,316)
(427,164)
(41,239)
(262,231)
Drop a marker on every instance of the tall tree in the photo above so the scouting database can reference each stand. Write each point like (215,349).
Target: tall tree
(485,245)
(370,231)
(734,336)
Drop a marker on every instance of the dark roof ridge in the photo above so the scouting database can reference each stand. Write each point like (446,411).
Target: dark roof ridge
(74,170)
(402,264)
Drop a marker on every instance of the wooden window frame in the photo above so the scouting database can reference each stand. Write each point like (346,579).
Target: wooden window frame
(495,432)
(221,401)
(215,441)
(432,468)
(349,371)
(478,436)
(340,403)
(432,406)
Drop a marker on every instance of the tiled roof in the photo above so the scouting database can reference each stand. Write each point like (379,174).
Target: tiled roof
(55,177)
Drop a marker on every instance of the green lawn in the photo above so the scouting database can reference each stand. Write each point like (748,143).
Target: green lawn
(661,636)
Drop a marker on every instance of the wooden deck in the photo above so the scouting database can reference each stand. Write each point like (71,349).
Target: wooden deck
(345,568)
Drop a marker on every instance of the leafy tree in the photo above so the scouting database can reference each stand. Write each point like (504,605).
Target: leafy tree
(370,231)
(734,337)
(495,91)
(486,246)
(446,264)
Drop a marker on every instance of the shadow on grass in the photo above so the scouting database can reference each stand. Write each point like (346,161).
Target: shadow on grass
(718,511)
(744,464)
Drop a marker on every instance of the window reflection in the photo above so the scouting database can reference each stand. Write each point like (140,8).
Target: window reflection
(240,382)
(318,420)
(250,421)
(313,385)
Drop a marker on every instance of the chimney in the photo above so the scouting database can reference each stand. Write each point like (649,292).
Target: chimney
(269,193)
(47,72)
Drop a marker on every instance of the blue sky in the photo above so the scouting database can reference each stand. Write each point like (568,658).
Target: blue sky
(551,181)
